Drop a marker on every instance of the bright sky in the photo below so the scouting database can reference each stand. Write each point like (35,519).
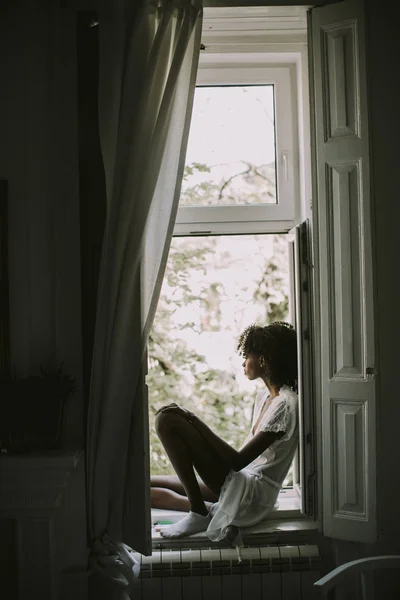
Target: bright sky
(230,125)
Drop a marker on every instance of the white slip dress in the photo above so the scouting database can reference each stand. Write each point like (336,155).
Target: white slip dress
(249,495)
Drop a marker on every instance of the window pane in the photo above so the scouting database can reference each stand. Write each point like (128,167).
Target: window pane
(213,288)
(231,156)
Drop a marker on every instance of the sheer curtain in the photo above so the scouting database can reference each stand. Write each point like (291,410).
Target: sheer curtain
(148,62)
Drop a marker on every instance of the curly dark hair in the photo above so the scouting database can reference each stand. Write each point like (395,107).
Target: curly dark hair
(277,343)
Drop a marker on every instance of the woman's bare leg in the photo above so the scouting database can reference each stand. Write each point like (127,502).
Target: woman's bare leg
(187,449)
(170,482)
(165,483)
(169,500)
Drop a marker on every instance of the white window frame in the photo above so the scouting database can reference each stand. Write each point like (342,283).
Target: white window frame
(266,218)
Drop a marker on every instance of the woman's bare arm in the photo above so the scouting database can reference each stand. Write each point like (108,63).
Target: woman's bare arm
(237,459)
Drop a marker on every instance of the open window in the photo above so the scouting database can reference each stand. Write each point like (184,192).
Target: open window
(260,57)
(242,157)
(232,259)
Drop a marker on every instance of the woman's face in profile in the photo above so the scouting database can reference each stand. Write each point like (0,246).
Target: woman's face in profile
(252,367)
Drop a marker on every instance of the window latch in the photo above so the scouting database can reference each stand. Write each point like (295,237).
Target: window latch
(285,159)
(370,373)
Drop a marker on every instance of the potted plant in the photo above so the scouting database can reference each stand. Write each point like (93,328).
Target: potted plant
(32,410)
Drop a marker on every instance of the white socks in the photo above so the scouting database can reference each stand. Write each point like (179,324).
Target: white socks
(193,523)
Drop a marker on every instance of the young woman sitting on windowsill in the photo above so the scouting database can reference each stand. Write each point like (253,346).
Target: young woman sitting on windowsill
(238,488)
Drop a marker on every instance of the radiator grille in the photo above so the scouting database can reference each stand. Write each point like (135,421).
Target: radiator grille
(275,572)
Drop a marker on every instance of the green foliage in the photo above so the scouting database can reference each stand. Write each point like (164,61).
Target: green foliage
(272,289)
(251,185)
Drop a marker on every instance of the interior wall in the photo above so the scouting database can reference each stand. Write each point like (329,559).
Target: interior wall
(383,73)
(39,159)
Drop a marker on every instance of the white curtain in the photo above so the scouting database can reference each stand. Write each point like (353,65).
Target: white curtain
(148,62)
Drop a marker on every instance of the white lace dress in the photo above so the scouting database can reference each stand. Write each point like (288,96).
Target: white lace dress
(247,496)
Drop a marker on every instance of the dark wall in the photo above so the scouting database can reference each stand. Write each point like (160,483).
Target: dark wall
(39,160)
(8,558)
(384,104)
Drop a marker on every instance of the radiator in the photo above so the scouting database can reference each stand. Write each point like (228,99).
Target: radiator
(267,572)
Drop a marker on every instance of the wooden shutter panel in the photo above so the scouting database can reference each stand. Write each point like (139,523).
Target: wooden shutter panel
(343,225)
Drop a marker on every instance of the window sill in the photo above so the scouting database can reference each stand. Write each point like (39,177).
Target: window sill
(286,524)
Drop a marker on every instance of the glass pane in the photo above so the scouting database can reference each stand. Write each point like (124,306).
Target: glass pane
(213,288)
(231,157)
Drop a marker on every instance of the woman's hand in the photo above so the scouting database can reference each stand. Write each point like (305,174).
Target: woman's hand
(173,407)
(167,406)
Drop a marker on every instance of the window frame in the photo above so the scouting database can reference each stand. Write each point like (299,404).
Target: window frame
(267,218)
(251,39)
